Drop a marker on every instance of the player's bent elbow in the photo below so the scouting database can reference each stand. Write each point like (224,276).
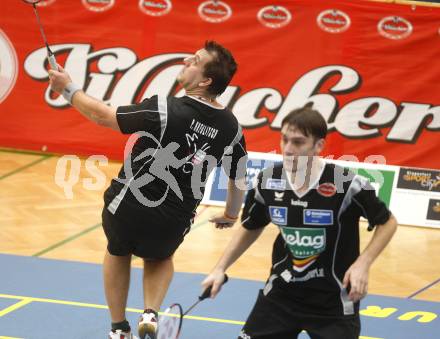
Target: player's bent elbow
(98,119)
(392,224)
(106,122)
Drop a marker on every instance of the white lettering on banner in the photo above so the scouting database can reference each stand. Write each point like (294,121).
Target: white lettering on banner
(252,101)
(360,118)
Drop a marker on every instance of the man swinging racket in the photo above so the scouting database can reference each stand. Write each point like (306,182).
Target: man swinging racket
(150,207)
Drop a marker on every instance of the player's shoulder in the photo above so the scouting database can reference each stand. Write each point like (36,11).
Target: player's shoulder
(348,177)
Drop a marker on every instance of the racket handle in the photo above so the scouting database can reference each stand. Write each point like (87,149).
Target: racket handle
(206,293)
(52,62)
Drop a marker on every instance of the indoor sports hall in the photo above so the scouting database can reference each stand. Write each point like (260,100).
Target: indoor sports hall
(370,67)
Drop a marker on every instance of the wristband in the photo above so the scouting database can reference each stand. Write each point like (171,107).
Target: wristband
(229,217)
(69,91)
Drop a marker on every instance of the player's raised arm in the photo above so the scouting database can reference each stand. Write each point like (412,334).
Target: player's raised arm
(93,109)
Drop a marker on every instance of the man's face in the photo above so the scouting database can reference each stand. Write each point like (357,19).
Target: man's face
(297,148)
(191,75)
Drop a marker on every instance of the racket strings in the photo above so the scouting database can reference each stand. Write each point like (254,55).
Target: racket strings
(170,322)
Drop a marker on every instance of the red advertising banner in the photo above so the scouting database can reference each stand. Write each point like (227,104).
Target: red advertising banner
(370,68)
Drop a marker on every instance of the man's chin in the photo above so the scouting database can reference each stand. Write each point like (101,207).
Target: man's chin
(289,166)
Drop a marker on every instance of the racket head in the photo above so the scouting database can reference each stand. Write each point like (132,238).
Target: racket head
(170,322)
(32,2)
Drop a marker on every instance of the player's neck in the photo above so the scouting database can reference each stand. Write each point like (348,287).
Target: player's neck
(302,178)
(202,96)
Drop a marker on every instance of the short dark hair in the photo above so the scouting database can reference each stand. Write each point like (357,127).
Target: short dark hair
(221,69)
(308,121)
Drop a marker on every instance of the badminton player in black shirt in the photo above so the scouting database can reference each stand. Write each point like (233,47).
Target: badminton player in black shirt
(318,275)
(150,207)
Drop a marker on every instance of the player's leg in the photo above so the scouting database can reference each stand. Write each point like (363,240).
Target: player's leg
(330,328)
(268,320)
(157,244)
(156,280)
(116,285)
(116,270)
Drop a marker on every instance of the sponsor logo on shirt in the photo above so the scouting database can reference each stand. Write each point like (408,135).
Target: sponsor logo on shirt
(315,273)
(198,157)
(299,203)
(278,215)
(305,244)
(197,153)
(278,196)
(276,184)
(327,189)
(317,217)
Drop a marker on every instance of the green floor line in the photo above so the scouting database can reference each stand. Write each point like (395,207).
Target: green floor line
(18,151)
(61,243)
(24,167)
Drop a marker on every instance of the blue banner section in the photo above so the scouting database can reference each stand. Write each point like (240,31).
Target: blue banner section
(256,162)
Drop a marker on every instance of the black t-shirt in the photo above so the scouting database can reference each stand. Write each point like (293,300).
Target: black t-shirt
(319,235)
(179,141)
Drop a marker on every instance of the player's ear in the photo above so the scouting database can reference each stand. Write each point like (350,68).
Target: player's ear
(205,83)
(319,146)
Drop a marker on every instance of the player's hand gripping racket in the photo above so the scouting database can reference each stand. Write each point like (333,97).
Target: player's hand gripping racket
(50,55)
(170,321)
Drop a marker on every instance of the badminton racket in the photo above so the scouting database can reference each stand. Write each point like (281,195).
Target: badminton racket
(50,55)
(170,321)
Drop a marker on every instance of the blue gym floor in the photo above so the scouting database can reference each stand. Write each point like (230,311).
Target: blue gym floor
(52,299)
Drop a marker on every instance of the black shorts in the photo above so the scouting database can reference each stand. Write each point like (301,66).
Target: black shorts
(151,233)
(270,320)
